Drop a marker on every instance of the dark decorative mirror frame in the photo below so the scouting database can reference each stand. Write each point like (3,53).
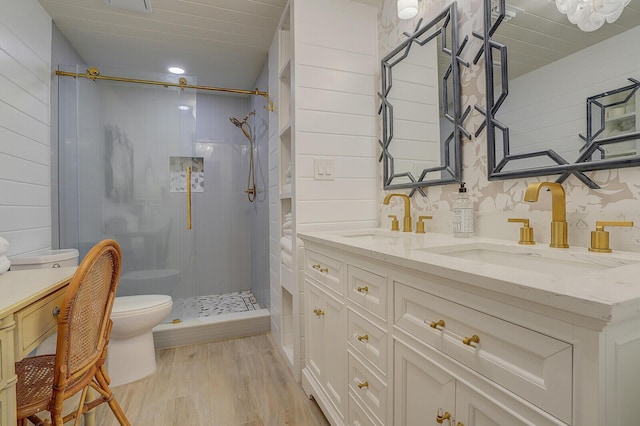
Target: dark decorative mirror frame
(449,171)
(492,125)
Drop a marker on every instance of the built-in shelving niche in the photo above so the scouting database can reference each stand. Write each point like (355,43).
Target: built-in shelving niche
(287,323)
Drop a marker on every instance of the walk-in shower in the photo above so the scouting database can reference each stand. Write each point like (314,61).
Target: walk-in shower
(134,162)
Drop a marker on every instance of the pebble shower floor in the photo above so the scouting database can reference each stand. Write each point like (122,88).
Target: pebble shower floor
(205,306)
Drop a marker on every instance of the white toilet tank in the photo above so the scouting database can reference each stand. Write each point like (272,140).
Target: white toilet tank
(45,258)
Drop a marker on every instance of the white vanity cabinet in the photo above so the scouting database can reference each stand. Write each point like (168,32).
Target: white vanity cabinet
(347,342)
(324,375)
(417,339)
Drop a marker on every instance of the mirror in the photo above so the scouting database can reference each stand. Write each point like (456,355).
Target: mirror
(420,108)
(564,101)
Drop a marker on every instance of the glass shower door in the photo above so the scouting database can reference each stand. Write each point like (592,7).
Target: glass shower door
(116,145)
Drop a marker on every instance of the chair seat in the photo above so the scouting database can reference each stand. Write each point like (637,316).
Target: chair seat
(35,383)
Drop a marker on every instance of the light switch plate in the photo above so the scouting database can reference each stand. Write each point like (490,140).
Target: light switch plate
(323,168)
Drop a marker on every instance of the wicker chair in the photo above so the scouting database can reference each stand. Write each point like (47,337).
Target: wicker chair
(84,326)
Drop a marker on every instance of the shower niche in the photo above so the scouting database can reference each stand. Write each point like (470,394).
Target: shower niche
(285,255)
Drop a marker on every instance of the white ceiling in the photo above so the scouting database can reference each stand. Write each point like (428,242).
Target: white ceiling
(223,42)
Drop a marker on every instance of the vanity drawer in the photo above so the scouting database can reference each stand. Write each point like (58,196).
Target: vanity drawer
(325,269)
(358,416)
(368,389)
(530,364)
(36,322)
(368,340)
(368,290)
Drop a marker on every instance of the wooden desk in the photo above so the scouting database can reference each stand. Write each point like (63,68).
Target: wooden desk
(27,299)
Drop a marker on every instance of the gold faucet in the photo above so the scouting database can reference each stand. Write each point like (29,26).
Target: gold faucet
(407,209)
(558,210)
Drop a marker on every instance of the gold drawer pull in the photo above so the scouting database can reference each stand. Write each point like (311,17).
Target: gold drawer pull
(55,311)
(436,324)
(319,267)
(364,289)
(363,385)
(364,338)
(440,417)
(469,340)
(318,312)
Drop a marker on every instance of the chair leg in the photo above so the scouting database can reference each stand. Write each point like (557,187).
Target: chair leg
(111,400)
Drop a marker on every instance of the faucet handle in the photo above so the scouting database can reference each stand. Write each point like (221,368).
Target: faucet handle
(395,225)
(600,237)
(526,232)
(420,224)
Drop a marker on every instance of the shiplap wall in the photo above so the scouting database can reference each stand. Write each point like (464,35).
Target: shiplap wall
(25,178)
(546,108)
(336,68)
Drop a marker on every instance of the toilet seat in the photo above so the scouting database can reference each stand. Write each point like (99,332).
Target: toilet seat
(127,306)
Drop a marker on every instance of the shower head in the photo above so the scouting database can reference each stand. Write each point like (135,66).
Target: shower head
(236,122)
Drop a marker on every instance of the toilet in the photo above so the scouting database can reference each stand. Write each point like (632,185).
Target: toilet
(131,354)
(46,258)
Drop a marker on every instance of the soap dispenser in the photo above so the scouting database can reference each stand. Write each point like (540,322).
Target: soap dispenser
(462,214)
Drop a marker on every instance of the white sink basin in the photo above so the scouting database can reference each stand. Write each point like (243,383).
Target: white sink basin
(543,260)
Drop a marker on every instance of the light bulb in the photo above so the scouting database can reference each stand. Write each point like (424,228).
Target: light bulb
(407,9)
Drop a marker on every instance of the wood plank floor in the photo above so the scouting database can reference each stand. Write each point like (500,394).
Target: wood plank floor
(232,382)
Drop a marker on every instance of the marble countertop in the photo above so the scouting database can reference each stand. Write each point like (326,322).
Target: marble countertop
(602,286)
(20,288)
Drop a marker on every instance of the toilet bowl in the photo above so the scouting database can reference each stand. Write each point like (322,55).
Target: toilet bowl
(131,354)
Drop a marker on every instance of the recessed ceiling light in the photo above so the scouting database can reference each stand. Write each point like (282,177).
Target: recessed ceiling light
(183,108)
(176,70)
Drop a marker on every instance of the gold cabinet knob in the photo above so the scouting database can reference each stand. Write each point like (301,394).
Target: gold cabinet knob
(395,225)
(469,340)
(318,312)
(364,338)
(324,270)
(600,237)
(364,289)
(363,385)
(420,224)
(316,266)
(436,324)
(441,417)
(526,232)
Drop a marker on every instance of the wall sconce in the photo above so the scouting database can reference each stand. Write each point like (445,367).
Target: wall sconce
(407,9)
(590,15)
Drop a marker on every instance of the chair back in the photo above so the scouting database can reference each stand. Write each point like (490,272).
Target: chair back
(84,323)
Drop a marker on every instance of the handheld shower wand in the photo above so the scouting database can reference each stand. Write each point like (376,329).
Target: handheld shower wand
(246,129)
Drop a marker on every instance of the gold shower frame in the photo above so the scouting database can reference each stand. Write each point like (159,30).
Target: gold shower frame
(93,73)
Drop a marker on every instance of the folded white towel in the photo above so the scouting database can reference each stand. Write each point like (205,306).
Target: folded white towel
(287,224)
(4,245)
(288,232)
(286,244)
(286,259)
(288,216)
(5,263)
